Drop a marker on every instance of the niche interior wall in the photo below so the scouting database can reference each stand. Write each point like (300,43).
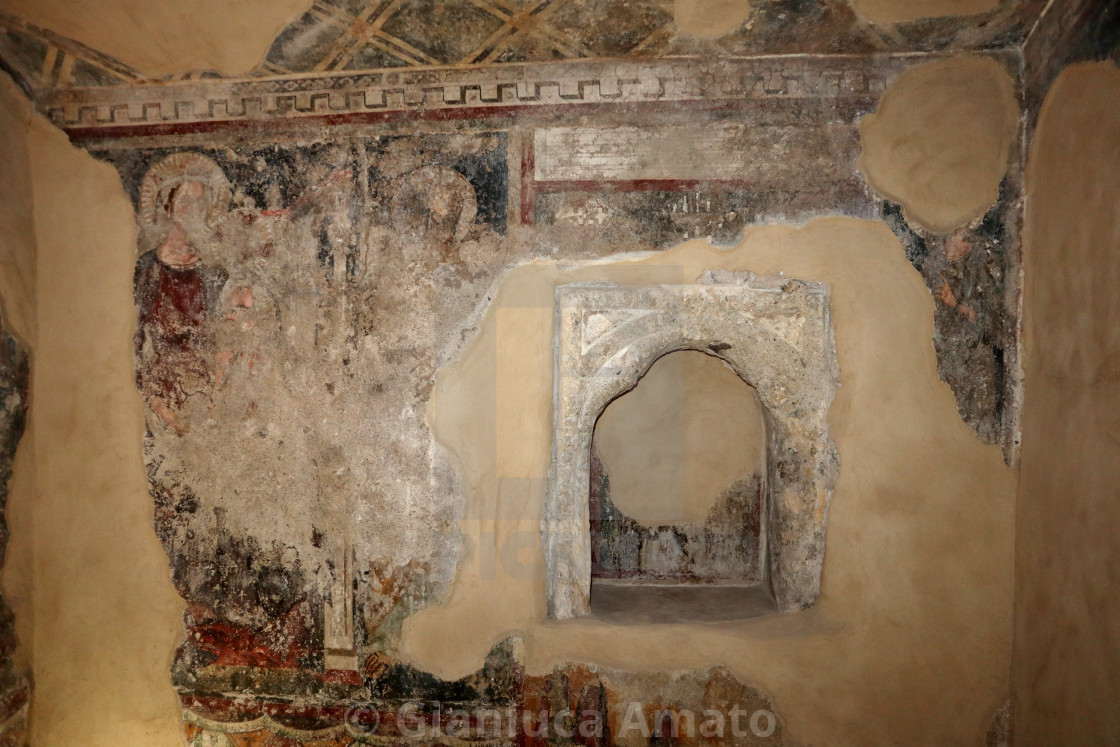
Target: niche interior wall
(327,245)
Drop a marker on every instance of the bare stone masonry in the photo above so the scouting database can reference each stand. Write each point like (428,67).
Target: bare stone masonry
(774,332)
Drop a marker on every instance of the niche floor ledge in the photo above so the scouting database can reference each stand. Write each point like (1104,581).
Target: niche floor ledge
(629,603)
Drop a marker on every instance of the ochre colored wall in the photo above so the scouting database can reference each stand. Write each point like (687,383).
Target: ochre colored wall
(917,576)
(941,140)
(1066,675)
(103,618)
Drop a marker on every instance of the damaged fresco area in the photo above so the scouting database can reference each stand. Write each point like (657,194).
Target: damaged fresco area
(290,326)
(14,382)
(971,273)
(299,284)
(355,35)
(500,705)
(294,304)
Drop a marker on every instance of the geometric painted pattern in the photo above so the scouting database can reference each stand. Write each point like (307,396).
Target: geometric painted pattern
(366,35)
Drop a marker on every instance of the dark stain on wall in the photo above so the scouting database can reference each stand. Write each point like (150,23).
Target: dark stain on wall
(14,383)
(970,273)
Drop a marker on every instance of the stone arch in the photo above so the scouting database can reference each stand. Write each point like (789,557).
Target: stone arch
(774,332)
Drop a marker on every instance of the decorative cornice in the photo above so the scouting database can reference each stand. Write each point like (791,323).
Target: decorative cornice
(453,93)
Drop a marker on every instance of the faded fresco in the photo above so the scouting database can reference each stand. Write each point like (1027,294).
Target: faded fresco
(296,298)
(290,326)
(316,241)
(262,348)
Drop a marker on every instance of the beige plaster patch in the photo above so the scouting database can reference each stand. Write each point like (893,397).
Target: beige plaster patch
(1065,687)
(676,442)
(93,597)
(17,239)
(941,140)
(710,19)
(899,11)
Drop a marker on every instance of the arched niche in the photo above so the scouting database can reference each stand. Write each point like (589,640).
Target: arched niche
(774,332)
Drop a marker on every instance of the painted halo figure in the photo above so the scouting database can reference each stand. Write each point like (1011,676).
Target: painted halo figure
(435,207)
(177,283)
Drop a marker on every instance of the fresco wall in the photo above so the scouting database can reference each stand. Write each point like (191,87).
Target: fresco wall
(320,246)
(299,291)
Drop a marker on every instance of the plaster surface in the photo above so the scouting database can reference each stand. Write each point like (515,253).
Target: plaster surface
(899,11)
(1066,675)
(103,615)
(158,38)
(917,571)
(917,574)
(710,19)
(674,443)
(940,141)
(17,457)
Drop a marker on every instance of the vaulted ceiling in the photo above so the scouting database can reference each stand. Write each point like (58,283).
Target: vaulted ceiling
(68,44)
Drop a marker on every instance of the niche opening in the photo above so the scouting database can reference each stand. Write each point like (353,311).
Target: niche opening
(776,335)
(677,495)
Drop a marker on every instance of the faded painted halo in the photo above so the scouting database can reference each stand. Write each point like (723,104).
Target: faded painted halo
(180,168)
(424,185)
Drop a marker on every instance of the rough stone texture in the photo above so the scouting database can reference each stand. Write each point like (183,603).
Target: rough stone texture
(14,380)
(777,336)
